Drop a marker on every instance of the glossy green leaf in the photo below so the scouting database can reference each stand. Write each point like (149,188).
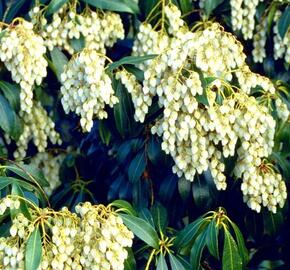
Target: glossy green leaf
(123,110)
(272,222)
(133,60)
(9,121)
(186,6)
(138,73)
(33,250)
(17,190)
(125,206)
(130,262)
(175,263)
(54,6)
(231,258)
(13,6)
(212,238)
(161,263)
(145,214)
(284,22)
(190,232)
(78,44)
(30,173)
(137,167)
(141,229)
(160,216)
(196,250)
(121,5)
(244,254)
(4,182)
(104,132)
(210,5)
(59,60)
(11,93)
(184,187)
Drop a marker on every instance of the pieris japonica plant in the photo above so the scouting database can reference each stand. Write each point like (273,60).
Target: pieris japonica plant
(150,134)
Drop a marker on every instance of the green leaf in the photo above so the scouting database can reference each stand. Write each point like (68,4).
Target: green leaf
(16,190)
(196,251)
(30,173)
(160,216)
(9,121)
(184,187)
(161,263)
(125,206)
(212,238)
(33,251)
(130,262)
(137,167)
(142,230)
(284,22)
(123,110)
(185,6)
(231,257)
(54,6)
(210,5)
(272,222)
(13,6)
(104,132)
(121,5)
(241,244)
(59,60)
(133,60)
(12,94)
(175,263)
(145,214)
(270,16)
(78,44)
(187,234)
(4,182)
(138,73)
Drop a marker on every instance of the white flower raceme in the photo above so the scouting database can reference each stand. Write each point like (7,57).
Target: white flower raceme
(94,238)
(86,88)
(281,46)
(22,52)
(50,166)
(259,41)
(197,135)
(37,126)
(243,16)
(99,29)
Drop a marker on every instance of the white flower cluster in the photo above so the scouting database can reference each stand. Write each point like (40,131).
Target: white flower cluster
(37,126)
(22,52)
(282,110)
(259,42)
(99,29)
(96,239)
(50,165)
(243,16)
(197,135)
(86,88)
(281,46)
(263,187)
(98,222)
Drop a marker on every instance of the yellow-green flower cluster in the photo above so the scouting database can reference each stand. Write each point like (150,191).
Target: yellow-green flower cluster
(92,238)
(99,29)
(22,51)
(199,135)
(37,126)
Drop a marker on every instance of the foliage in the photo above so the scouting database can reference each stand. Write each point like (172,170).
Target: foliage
(177,224)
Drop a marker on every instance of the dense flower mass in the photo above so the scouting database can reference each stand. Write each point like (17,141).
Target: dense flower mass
(200,134)
(22,51)
(50,166)
(86,88)
(37,126)
(96,238)
(99,29)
